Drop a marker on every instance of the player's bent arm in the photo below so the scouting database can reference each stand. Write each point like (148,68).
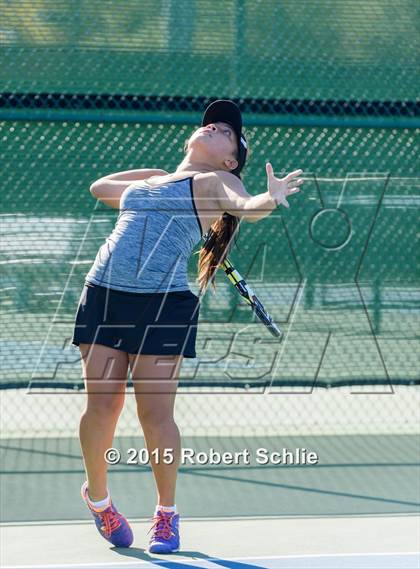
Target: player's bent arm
(108,189)
(234,199)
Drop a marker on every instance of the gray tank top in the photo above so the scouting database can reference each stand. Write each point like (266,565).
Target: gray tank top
(155,233)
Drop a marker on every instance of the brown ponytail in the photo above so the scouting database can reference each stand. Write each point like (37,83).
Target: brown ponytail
(218,243)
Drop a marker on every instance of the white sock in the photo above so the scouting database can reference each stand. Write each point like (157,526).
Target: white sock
(166,509)
(100,504)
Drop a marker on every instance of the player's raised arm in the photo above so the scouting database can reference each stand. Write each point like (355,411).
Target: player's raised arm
(234,199)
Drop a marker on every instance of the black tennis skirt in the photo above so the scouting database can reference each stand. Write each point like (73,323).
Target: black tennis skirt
(138,323)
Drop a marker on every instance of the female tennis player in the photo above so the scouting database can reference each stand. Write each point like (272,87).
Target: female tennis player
(137,311)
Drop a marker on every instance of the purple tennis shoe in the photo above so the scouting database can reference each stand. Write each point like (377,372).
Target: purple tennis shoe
(110,523)
(165,536)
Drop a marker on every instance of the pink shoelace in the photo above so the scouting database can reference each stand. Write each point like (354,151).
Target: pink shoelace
(162,525)
(110,520)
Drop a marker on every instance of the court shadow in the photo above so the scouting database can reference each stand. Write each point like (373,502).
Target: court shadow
(138,553)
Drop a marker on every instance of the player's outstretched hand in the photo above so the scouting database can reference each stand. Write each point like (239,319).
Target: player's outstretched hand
(281,188)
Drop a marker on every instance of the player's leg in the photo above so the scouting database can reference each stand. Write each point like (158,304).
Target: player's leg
(155,380)
(105,374)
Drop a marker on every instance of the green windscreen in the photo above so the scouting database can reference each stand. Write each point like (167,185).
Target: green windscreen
(305,49)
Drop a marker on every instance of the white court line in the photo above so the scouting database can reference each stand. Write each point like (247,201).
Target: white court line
(179,559)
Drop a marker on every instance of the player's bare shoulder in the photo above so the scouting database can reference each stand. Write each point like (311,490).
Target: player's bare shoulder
(207,196)
(211,184)
(206,184)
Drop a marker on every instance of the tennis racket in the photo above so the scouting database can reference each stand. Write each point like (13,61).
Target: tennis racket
(251,298)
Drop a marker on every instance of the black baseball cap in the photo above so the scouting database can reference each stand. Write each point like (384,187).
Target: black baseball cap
(227,111)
